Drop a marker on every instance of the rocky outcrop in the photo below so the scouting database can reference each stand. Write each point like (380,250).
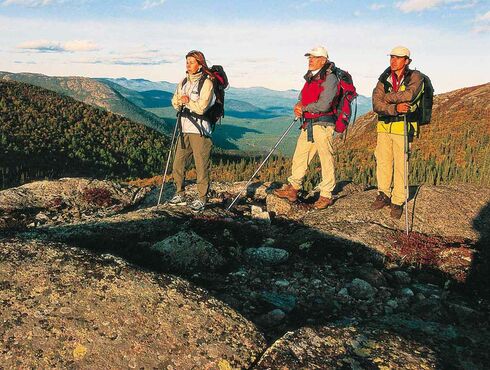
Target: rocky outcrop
(297,276)
(62,308)
(65,201)
(395,342)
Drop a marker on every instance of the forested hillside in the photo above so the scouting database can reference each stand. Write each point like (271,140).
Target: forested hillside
(98,93)
(454,147)
(43,134)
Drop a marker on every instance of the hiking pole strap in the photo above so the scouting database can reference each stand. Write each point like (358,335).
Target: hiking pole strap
(174,135)
(263,162)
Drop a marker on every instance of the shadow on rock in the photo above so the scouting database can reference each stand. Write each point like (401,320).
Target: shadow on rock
(480,272)
(316,280)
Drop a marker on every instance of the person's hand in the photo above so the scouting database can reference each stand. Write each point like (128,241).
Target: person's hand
(184,99)
(298,110)
(402,107)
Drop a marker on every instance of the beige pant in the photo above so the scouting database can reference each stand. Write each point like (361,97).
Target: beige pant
(305,152)
(200,148)
(390,164)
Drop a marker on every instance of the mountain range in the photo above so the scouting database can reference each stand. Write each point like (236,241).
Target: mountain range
(251,102)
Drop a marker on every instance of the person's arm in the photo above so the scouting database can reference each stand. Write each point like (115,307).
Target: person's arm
(206,95)
(176,103)
(380,105)
(324,102)
(411,92)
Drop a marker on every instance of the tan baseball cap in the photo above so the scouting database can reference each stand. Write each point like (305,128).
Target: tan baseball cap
(318,51)
(400,51)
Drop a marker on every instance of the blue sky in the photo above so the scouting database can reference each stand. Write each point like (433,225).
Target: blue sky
(260,43)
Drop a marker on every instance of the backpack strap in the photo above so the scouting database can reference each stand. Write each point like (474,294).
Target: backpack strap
(201,83)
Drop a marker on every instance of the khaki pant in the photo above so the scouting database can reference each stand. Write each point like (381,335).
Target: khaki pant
(390,165)
(200,148)
(305,152)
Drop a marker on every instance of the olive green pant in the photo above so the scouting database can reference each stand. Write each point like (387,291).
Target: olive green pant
(200,148)
(390,166)
(304,153)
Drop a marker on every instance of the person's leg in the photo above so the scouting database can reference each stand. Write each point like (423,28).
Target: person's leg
(303,154)
(323,137)
(201,151)
(181,157)
(398,195)
(384,163)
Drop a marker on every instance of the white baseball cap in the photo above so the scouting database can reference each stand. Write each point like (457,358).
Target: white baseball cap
(400,51)
(318,51)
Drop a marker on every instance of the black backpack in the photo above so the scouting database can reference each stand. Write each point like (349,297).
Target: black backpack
(220,83)
(426,101)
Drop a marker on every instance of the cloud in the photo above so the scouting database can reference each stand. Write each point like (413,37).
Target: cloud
(46,46)
(377,6)
(463,5)
(482,23)
(41,3)
(250,56)
(31,3)
(484,18)
(127,61)
(152,3)
(409,6)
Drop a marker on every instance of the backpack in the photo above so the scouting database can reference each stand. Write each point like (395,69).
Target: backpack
(424,112)
(342,103)
(220,83)
(426,101)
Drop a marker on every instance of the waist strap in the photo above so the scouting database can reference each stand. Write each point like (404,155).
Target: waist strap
(308,125)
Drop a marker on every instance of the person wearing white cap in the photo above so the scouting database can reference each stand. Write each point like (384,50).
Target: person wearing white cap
(396,99)
(315,108)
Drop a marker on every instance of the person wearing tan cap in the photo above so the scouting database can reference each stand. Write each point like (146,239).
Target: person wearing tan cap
(396,100)
(315,108)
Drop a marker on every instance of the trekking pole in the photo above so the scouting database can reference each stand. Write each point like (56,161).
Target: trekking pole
(406,149)
(263,162)
(174,135)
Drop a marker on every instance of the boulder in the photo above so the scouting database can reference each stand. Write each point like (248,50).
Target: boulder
(350,347)
(266,256)
(188,252)
(66,308)
(361,289)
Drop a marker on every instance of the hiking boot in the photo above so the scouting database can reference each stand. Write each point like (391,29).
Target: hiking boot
(322,203)
(396,211)
(287,192)
(381,201)
(197,205)
(177,200)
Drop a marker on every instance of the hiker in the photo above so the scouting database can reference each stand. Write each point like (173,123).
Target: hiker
(315,108)
(396,99)
(195,128)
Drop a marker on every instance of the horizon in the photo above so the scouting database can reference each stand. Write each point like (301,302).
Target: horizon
(148,39)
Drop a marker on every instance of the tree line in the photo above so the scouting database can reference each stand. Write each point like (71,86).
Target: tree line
(45,135)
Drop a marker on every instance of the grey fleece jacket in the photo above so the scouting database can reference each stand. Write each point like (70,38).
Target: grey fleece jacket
(324,102)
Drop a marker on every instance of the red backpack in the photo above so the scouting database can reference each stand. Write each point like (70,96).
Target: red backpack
(342,103)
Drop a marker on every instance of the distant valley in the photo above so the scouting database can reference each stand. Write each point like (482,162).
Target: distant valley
(254,117)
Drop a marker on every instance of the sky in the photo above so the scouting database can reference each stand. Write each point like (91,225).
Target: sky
(259,43)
